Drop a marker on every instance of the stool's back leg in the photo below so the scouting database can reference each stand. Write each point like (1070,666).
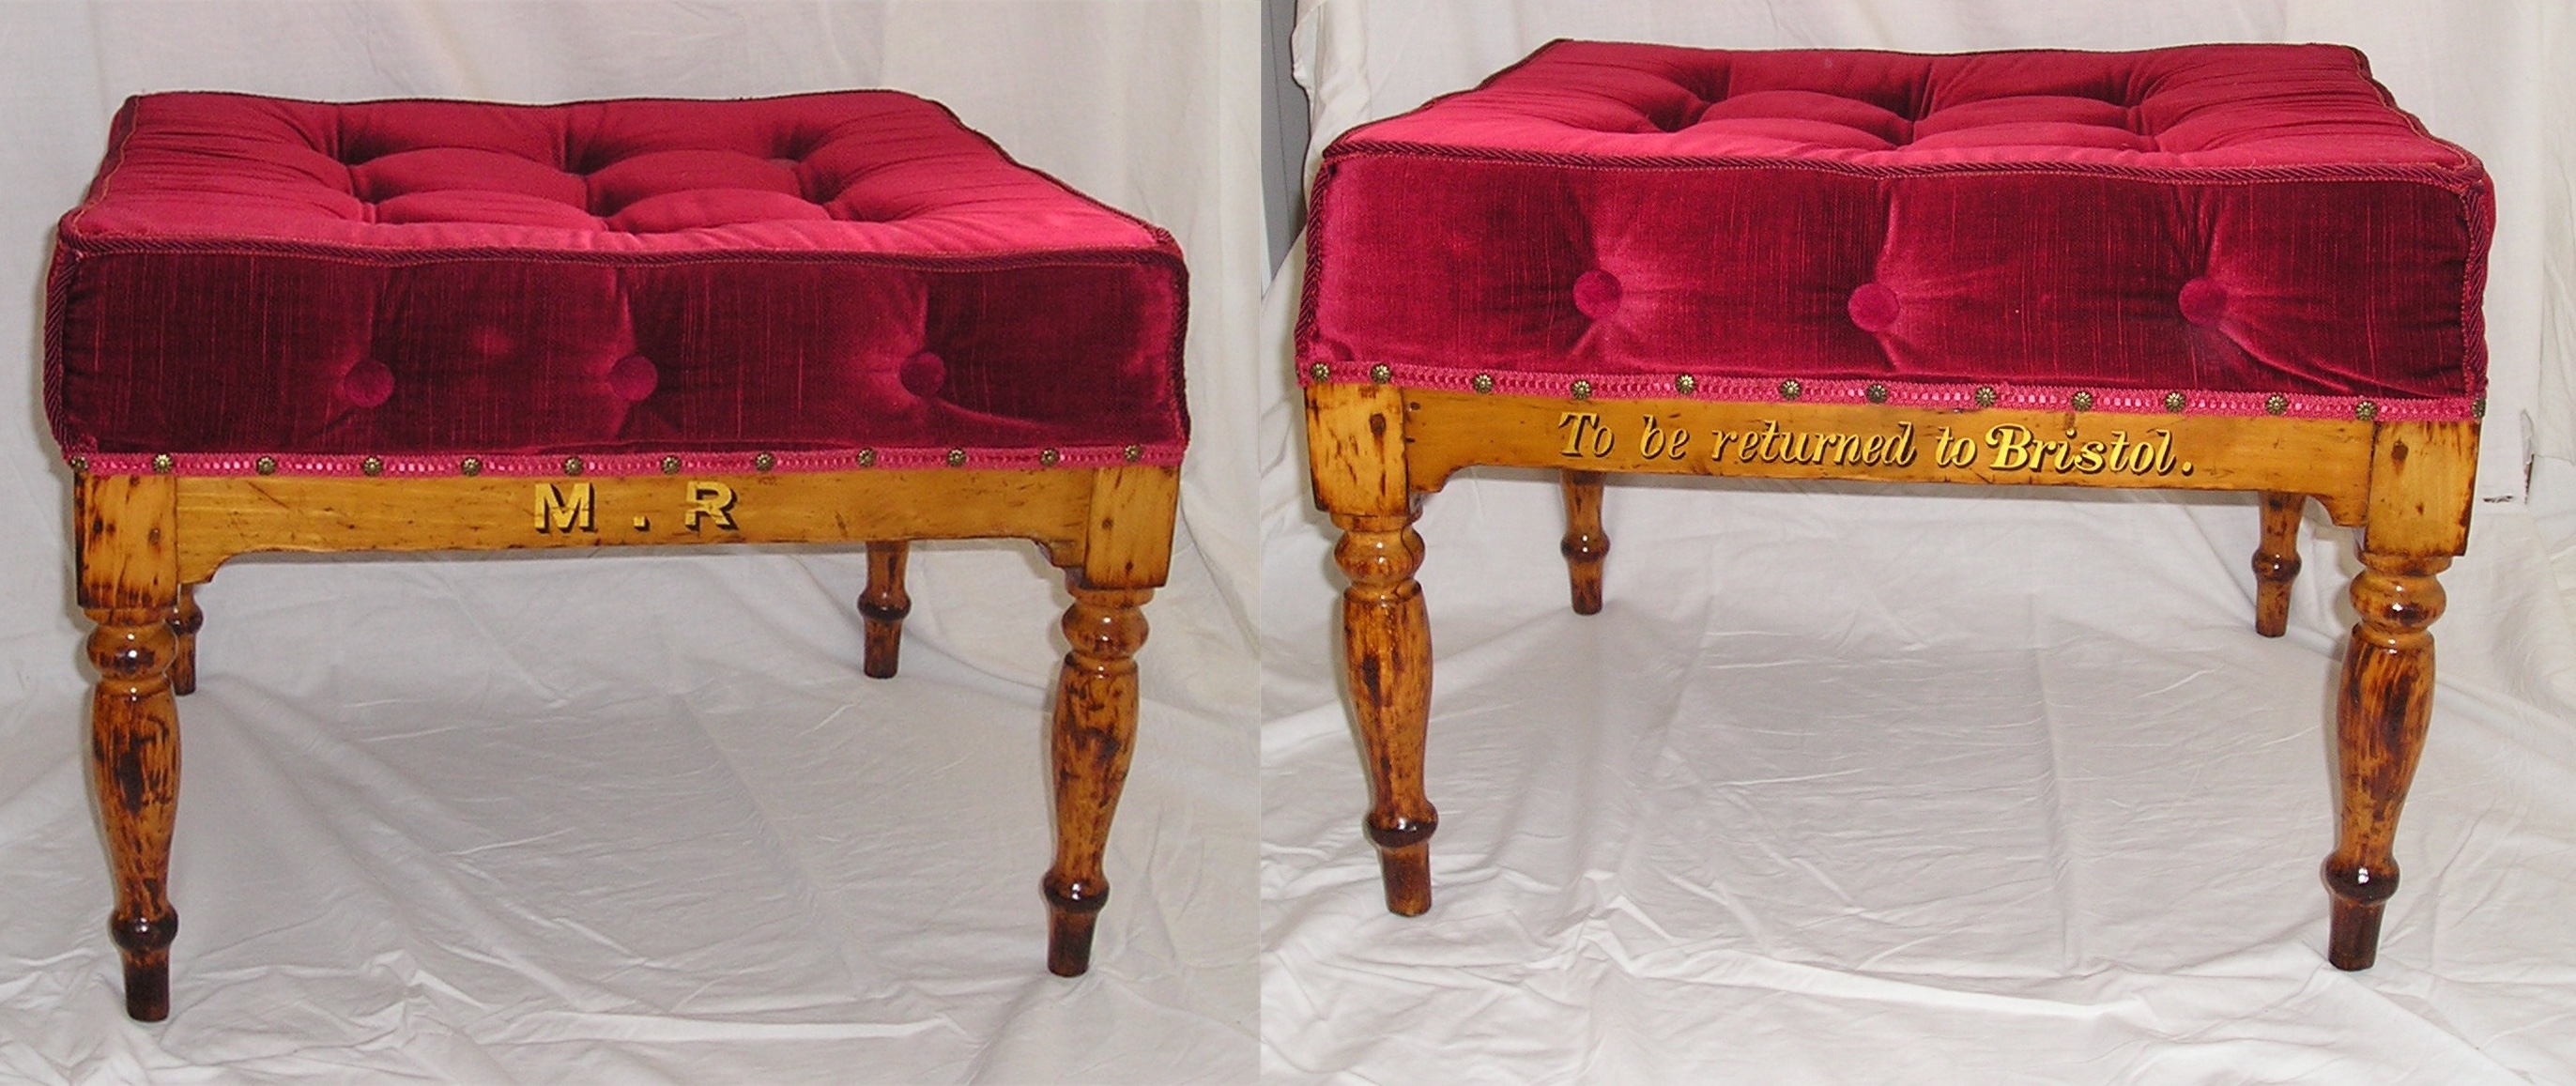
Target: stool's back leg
(2276,562)
(1585,544)
(129,586)
(882,606)
(1386,652)
(185,621)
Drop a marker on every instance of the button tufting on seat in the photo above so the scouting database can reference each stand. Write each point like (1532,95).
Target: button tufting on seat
(367,384)
(923,374)
(633,378)
(2203,302)
(1874,307)
(1596,294)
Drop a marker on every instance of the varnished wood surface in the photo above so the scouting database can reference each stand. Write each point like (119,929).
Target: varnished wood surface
(1355,449)
(1093,733)
(882,606)
(129,587)
(1386,655)
(2385,702)
(1585,544)
(2276,562)
(1446,431)
(185,621)
(225,517)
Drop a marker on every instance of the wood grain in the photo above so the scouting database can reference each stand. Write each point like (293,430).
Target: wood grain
(2380,716)
(185,621)
(1386,655)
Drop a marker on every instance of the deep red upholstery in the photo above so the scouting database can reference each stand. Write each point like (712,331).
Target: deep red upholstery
(419,282)
(2255,227)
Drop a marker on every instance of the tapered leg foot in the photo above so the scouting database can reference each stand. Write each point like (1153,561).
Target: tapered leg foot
(1095,726)
(129,588)
(1585,544)
(2276,562)
(2387,698)
(883,605)
(1386,652)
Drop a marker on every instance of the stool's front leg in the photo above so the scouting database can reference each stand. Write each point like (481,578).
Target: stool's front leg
(129,587)
(2387,699)
(2276,562)
(882,606)
(1585,545)
(1386,650)
(1095,725)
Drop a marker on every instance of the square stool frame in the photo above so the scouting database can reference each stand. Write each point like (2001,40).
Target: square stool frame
(144,542)
(1378,449)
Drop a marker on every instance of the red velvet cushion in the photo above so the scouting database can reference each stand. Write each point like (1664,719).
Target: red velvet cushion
(423,281)
(2229,222)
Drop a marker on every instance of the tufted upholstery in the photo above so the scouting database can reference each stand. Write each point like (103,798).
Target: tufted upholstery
(404,284)
(2254,227)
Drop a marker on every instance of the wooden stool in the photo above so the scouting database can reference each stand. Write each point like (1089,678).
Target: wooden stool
(2208,268)
(418,326)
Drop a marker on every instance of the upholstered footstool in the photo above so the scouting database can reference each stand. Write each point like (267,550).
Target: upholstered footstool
(423,325)
(2230,267)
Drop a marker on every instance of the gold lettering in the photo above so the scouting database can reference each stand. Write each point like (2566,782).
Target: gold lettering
(2013,450)
(1652,442)
(1717,445)
(709,499)
(1900,452)
(556,512)
(1681,445)
(2164,453)
(2090,461)
(1588,437)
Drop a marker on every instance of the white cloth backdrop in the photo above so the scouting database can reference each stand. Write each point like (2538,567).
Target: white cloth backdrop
(1853,784)
(638,818)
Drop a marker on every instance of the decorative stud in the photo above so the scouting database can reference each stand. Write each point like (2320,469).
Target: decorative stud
(80,465)
(1483,383)
(2276,404)
(956,458)
(1791,389)
(1876,393)
(471,467)
(1582,390)
(763,461)
(1686,384)
(867,458)
(161,463)
(1320,371)
(1381,373)
(372,466)
(670,465)
(1048,458)
(2365,411)
(2083,401)
(2175,402)
(1132,453)
(1986,396)
(572,465)
(266,465)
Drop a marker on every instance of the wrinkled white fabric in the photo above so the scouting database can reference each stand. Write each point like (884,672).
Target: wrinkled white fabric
(1876,784)
(638,818)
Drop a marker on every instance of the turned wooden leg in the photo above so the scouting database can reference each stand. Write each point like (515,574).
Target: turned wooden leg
(2276,562)
(129,588)
(1386,650)
(185,621)
(1095,724)
(883,606)
(2387,697)
(1585,544)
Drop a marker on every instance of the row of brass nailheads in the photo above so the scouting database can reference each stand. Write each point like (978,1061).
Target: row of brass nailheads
(572,465)
(1986,396)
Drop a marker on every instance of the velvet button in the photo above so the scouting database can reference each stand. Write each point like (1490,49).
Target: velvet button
(367,384)
(1873,307)
(2203,301)
(1596,294)
(633,378)
(923,374)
